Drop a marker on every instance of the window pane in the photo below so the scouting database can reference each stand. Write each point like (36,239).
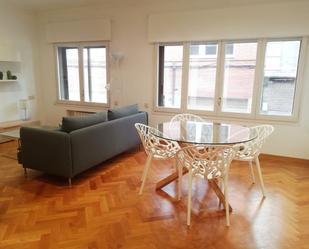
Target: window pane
(170,76)
(280,73)
(239,73)
(95,74)
(202,80)
(68,73)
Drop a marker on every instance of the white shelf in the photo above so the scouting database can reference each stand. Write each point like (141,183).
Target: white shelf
(5,81)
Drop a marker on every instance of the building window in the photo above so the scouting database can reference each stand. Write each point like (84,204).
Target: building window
(229,48)
(250,79)
(211,49)
(194,49)
(82,73)
(170,75)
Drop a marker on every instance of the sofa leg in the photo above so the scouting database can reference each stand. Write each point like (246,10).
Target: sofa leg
(25,172)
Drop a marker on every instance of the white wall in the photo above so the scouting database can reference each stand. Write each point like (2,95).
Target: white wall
(133,82)
(18,30)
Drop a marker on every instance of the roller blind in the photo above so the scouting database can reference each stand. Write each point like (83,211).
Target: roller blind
(83,30)
(268,20)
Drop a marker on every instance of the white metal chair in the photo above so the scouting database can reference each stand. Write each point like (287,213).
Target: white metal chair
(187,117)
(209,162)
(156,147)
(250,151)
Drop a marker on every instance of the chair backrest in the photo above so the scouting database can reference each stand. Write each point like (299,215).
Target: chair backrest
(207,161)
(253,148)
(156,144)
(187,117)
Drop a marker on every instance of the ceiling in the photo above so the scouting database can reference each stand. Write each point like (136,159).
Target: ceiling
(43,5)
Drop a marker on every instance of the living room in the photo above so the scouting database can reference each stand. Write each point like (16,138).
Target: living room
(67,60)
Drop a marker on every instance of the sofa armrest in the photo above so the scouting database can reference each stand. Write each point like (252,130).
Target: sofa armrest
(46,150)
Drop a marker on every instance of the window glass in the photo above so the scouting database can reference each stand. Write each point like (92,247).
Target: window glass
(170,75)
(280,74)
(202,80)
(239,75)
(95,74)
(68,73)
(88,60)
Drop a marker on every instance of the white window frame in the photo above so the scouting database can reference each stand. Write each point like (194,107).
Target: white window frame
(258,80)
(80,46)
(220,112)
(156,89)
(298,84)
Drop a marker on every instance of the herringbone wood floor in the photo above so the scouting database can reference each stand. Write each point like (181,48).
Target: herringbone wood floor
(103,209)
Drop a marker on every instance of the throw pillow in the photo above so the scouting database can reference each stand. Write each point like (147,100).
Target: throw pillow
(74,123)
(122,112)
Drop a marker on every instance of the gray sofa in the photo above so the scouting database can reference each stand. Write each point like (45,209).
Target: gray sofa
(67,154)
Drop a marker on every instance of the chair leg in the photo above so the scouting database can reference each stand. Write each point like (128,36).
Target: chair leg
(70,182)
(251,171)
(179,181)
(144,170)
(221,186)
(189,199)
(258,166)
(226,197)
(147,166)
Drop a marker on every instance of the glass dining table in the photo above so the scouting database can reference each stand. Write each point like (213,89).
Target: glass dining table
(202,133)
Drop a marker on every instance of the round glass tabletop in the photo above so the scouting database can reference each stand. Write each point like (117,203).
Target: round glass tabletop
(204,132)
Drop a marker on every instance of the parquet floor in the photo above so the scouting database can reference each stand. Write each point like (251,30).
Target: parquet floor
(103,209)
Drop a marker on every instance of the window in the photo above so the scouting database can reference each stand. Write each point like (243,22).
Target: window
(280,74)
(170,75)
(250,79)
(239,75)
(82,73)
(202,80)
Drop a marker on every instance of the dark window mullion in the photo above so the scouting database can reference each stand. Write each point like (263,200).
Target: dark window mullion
(64,72)
(161,77)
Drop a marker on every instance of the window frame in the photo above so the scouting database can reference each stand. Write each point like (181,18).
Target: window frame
(257,88)
(298,84)
(250,115)
(80,46)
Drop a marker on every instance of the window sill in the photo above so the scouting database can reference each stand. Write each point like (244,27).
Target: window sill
(82,105)
(232,118)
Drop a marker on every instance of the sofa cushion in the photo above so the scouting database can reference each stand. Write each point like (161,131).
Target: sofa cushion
(122,112)
(74,123)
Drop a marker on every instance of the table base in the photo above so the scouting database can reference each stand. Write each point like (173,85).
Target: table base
(213,183)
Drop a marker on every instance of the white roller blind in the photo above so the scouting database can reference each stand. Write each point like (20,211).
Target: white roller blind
(84,30)
(268,20)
